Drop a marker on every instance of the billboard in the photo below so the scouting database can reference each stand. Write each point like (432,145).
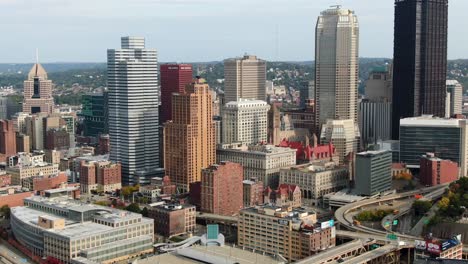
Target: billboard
(449,244)
(420,244)
(433,248)
(327,224)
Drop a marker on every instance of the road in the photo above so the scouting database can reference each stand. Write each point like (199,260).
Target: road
(418,228)
(11,254)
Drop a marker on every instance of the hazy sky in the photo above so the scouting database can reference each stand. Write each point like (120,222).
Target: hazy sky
(195,30)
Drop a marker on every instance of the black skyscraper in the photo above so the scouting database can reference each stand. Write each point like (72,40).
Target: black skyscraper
(420,59)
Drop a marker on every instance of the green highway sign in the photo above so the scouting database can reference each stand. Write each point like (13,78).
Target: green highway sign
(392,237)
(387,224)
(395,222)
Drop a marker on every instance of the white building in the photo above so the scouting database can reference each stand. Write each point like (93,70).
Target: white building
(344,134)
(316,179)
(454,99)
(244,78)
(245,121)
(133,108)
(336,65)
(261,162)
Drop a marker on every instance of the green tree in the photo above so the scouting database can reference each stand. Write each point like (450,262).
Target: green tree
(145,212)
(421,207)
(133,207)
(5,211)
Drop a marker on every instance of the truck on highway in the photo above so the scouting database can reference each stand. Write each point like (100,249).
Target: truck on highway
(356,222)
(395,212)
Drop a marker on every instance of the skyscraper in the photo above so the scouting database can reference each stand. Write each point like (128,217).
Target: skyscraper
(38,92)
(133,99)
(7,139)
(244,78)
(174,78)
(336,65)
(419,59)
(189,137)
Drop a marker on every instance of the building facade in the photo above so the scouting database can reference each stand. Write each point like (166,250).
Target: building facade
(174,78)
(69,230)
(244,78)
(94,113)
(262,162)
(286,195)
(245,121)
(173,219)
(38,92)
(345,136)
(102,176)
(434,171)
(252,192)
(454,98)
(375,121)
(336,65)
(316,180)
(222,189)
(373,172)
(190,137)
(419,59)
(132,77)
(291,233)
(7,139)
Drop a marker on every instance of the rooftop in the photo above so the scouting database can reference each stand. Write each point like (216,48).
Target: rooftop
(371,153)
(429,121)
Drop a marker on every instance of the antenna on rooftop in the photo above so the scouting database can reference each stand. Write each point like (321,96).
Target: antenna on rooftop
(37,55)
(336,6)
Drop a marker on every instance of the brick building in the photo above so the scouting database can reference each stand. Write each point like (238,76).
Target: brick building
(221,189)
(171,219)
(100,176)
(435,171)
(285,195)
(13,196)
(48,182)
(57,139)
(104,144)
(5,180)
(252,192)
(7,139)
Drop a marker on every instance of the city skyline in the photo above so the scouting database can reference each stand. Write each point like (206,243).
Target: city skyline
(158,20)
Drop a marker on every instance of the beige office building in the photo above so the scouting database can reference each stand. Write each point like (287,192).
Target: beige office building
(344,134)
(245,121)
(316,179)
(29,165)
(291,233)
(454,99)
(38,92)
(190,137)
(336,65)
(260,162)
(244,78)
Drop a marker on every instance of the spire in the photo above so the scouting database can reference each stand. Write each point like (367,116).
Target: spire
(37,70)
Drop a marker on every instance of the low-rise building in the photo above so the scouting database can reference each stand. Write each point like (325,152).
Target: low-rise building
(103,176)
(42,183)
(253,192)
(27,165)
(12,196)
(173,219)
(286,195)
(262,162)
(434,171)
(291,233)
(5,179)
(66,229)
(316,179)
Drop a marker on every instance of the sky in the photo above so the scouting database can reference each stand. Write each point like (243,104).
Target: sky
(195,30)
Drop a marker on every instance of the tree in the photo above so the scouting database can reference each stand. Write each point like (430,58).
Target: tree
(444,203)
(133,207)
(5,211)
(145,212)
(421,207)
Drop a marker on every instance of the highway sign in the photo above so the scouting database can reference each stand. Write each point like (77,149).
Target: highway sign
(387,224)
(395,222)
(392,237)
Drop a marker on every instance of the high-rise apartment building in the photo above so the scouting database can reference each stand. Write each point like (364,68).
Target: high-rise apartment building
(336,65)
(454,98)
(221,189)
(244,78)
(174,78)
(419,59)
(344,134)
(38,92)
(132,77)
(190,136)
(373,172)
(7,139)
(245,121)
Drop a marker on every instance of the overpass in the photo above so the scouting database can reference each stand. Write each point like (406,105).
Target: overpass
(347,250)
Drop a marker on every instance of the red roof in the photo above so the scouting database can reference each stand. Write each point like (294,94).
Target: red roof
(308,152)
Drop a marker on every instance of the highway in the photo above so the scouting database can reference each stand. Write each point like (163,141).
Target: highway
(10,254)
(333,253)
(370,255)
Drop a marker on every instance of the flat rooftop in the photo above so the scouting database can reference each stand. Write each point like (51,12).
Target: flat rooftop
(211,254)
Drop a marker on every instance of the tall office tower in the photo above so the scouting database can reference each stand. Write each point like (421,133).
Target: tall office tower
(454,98)
(336,65)
(94,113)
(190,135)
(38,92)
(245,121)
(344,135)
(419,59)
(3,107)
(174,78)
(7,139)
(244,78)
(379,85)
(132,78)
